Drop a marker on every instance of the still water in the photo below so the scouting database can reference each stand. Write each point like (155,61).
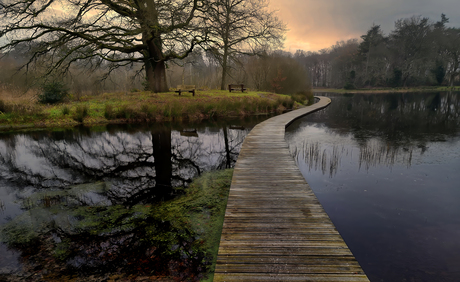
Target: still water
(78,201)
(386,168)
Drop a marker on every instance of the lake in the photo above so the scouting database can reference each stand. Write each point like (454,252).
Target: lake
(386,168)
(82,201)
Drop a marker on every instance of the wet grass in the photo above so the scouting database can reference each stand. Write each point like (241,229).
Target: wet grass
(142,106)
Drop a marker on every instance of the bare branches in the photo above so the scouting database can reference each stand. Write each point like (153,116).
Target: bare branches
(241,27)
(61,33)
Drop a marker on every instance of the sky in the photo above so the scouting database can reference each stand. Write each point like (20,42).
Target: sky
(318,24)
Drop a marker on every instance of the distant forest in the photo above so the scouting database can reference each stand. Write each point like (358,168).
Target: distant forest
(418,52)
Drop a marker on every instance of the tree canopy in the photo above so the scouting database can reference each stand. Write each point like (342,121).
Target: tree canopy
(241,27)
(417,52)
(117,33)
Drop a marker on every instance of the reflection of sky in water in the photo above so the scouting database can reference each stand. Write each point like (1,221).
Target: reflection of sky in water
(395,204)
(32,167)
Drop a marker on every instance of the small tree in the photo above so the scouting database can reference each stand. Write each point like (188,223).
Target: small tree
(277,80)
(53,92)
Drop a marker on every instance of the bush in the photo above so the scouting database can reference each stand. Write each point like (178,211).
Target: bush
(80,113)
(109,113)
(3,107)
(53,92)
(349,86)
(126,112)
(65,110)
(302,97)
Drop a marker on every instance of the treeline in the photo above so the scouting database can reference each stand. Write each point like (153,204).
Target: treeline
(418,52)
(275,71)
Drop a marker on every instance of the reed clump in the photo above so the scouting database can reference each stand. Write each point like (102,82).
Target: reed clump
(81,111)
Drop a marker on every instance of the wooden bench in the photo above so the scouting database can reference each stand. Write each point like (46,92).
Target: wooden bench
(186,88)
(237,87)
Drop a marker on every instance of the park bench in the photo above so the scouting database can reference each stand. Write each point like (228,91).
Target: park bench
(186,88)
(237,87)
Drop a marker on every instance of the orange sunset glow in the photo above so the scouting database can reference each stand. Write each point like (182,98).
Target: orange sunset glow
(314,25)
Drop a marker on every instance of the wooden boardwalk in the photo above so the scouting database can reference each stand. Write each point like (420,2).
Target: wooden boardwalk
(275,229)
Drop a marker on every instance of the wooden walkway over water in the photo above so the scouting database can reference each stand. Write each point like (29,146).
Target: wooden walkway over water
(275,229)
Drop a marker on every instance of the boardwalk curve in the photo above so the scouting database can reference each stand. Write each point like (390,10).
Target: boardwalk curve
(275,229)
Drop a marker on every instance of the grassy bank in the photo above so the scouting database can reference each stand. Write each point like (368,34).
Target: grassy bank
(387,90)
(139,106)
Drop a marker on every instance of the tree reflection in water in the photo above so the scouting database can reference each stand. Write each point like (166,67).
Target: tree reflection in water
(88,199)
(385,168)
(389,129)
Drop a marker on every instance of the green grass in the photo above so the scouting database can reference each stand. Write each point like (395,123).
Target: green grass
(146,106)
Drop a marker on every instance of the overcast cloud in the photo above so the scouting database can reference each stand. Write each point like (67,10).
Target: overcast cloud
(314,24)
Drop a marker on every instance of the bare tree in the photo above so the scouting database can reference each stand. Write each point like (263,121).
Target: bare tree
(241,27)
(117,32)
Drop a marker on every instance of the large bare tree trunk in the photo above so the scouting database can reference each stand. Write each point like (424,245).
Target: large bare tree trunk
(154,60)
(224,70)
(156,76)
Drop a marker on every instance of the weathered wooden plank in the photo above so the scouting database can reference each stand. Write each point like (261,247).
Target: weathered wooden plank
(306,260)
(239,218)
(230,277)
(293,268)
(249,230)
(275,229)
(292,251)
(291,225)
(282,243)
(287,236)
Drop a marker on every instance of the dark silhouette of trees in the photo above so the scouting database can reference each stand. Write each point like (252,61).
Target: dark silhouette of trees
(417,52)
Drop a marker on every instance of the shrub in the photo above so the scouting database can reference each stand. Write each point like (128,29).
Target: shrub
(3,107)
(349,86)
(80,113)
(109,113)
(126,112)
(65,110)
(53,92)
(302,97)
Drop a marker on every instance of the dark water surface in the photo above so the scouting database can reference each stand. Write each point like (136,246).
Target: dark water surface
(386,168)
(74,201)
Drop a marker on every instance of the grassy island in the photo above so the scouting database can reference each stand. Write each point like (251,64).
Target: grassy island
(142,106)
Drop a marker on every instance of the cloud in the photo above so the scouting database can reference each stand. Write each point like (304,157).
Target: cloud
(314,25)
